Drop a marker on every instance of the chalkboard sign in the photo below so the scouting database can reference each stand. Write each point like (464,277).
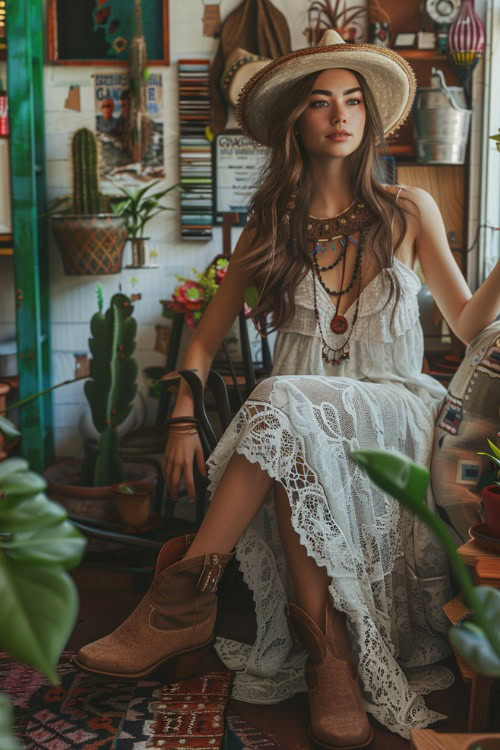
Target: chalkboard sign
(98,32)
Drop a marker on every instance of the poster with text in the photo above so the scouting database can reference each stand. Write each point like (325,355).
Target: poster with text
(112,108)
(238,164)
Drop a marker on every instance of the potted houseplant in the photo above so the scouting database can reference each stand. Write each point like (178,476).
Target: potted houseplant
(110,391)
(90,240)
(490,495)
(137,209)
(37,546)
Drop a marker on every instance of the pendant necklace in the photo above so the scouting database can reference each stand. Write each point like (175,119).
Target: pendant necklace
(321,232)
(339,323)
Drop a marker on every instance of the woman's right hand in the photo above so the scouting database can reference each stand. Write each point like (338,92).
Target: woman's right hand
(180,454)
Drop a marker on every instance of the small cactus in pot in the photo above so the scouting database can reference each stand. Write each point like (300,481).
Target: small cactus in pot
(90,241)
(112,386)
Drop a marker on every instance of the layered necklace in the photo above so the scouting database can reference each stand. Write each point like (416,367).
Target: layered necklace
(327,232)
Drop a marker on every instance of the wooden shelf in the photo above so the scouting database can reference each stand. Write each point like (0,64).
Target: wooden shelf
(429,55)
(6,251)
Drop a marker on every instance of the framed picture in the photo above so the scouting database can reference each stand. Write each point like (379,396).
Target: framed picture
(98,32)
(238,161)
(405,40)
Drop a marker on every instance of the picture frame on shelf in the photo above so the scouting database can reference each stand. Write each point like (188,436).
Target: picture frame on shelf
(82,32)
(405,40)
(238,161)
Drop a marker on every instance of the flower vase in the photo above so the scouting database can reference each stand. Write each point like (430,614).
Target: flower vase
(138,245)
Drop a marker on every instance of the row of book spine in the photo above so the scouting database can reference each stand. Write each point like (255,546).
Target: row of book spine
(195,150)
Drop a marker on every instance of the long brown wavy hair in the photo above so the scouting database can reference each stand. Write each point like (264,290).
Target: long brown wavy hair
(277,257)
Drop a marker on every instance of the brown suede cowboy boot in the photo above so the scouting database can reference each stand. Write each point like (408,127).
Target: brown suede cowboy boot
(338,717)
(172,626)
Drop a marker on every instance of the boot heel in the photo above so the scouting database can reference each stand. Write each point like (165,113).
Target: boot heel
(184,666)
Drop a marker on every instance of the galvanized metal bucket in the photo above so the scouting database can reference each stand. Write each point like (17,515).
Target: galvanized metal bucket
(441,122)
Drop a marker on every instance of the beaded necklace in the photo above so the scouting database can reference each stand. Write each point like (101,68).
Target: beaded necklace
(338,324)
(320,232)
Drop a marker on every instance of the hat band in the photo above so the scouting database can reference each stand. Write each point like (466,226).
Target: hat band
(236,66)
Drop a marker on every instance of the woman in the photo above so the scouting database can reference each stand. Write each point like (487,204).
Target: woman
(308,526)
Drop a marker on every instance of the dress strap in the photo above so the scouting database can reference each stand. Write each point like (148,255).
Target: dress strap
(397,197)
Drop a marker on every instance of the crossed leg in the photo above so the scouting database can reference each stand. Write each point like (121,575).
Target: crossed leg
(239,495)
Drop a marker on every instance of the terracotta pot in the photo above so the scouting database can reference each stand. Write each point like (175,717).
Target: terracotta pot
(133,508)
(491,503)
(90,245)
(65,486)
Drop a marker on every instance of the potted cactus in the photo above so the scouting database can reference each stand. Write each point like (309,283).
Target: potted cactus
(89,237)
(110,391)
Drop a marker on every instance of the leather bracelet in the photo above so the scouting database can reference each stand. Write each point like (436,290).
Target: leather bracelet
(181,420)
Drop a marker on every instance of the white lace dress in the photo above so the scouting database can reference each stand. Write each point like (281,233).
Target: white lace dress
(388,573)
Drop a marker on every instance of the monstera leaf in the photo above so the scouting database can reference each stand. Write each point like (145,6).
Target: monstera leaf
(37,543)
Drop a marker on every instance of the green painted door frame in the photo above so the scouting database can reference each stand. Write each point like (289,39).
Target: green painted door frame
(27,156)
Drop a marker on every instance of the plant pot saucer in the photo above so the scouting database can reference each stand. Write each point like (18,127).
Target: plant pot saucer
(154,522)
(480,533)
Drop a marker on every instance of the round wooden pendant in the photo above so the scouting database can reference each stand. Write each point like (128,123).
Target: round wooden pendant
(339,324)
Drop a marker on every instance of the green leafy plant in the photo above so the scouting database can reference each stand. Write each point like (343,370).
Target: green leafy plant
(479,641)
(39,599)
(111,387)
(138,208)
(495,457)
(496,138)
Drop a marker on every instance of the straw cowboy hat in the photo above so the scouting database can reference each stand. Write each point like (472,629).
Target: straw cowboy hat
(390,78)
(241,65)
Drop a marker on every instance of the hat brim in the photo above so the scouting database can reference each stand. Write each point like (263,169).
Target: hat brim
(390,78)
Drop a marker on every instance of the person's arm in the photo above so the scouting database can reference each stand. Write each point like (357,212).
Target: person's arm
(215,323)
(466,314)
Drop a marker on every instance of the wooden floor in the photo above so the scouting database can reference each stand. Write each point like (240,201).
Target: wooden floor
(108,593)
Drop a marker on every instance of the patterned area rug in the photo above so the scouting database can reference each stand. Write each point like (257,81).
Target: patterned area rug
(242,736)
(87,712)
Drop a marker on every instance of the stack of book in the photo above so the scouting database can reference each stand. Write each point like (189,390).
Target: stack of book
(195,151)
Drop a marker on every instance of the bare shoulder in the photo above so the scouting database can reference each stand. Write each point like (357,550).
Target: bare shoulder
(407,200)
(408,195)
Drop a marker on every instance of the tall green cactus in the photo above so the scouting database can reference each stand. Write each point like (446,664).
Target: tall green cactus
(86,196)
(112,387)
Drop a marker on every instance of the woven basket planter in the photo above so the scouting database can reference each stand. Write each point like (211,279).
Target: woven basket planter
(90,245)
